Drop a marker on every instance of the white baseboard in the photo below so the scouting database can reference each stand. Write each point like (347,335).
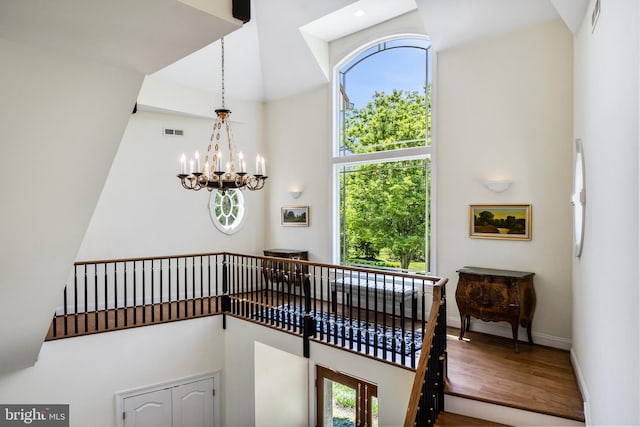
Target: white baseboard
(582,385)
(502,414)
(503,329)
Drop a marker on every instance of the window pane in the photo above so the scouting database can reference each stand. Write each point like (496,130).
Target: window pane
(374,411)
(384,120)
(340,404)
(227,210)
(383,214)
(385,93)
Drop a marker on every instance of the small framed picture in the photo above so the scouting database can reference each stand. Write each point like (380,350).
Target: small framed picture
(509,222)
(296,216)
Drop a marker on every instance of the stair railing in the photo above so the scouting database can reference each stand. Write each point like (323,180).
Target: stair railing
(427,394)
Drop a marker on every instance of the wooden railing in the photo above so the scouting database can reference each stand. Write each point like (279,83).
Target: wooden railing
(379,314)
(109,295)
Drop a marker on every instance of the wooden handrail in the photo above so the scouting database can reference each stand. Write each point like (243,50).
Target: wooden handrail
(297,261)
(148,258)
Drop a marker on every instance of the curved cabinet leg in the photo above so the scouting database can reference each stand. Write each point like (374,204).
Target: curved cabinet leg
(514,329)
(463,325)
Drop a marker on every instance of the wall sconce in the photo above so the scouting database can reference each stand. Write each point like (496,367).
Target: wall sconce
(295,192)
(498,186)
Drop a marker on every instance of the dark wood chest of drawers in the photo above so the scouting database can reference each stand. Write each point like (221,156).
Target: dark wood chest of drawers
(496,295)
(285,271)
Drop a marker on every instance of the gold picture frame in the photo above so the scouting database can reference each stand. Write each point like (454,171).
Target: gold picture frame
(508,222)
(294,216)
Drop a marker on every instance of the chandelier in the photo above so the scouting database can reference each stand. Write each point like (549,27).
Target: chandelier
(218,173)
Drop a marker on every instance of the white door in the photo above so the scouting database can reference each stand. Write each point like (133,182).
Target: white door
(148,410)
(193,404)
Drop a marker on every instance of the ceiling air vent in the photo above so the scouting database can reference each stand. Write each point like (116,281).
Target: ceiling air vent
(172,132)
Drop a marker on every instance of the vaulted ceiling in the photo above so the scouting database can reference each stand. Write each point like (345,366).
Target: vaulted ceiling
(269,57)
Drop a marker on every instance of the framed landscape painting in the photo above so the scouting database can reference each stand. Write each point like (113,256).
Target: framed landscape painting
(294,216)
(511,222)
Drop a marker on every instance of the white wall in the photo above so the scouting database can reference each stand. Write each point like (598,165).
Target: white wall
(239,374)
(605,278)
(282,386)
(144,211)
(62,120)
(86,372)
(394,384)
(504,110)
(299,143)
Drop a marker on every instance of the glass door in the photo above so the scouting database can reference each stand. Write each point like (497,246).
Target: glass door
(345,401)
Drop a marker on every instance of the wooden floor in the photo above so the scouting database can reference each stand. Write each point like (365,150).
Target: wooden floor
(540,379)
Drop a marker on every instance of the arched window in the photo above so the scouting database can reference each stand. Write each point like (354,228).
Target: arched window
(382,156)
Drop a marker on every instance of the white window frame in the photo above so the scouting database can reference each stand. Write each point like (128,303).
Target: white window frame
(338,161)
(239,219)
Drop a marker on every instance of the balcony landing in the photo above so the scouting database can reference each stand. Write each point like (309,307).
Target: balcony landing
(538,379)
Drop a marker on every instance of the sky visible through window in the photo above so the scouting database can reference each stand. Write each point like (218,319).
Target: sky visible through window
(402,69)
(383,199)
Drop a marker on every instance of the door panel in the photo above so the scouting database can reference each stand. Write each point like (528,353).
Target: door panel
(148,410)
(193,404)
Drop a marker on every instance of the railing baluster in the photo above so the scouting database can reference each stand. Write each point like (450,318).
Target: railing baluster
(86,302)
(209,284)
(143,290)
(66,328)
(106,298)
(201,288)
(193,286)
(186,292)
(217,279)
(95,297)
(151,291)
(153,287)
(135,293)
(177,288)
(75,301)
(125,305)
(115,293)
(161,274)
(169,298)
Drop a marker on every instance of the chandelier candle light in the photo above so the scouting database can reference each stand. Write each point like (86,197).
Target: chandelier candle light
(212,176)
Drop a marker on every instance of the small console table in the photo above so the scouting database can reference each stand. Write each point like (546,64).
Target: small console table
(496,295)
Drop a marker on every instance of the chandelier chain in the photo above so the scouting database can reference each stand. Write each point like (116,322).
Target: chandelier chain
(222,74)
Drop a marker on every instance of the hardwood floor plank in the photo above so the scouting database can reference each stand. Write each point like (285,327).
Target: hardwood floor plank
(539,379)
